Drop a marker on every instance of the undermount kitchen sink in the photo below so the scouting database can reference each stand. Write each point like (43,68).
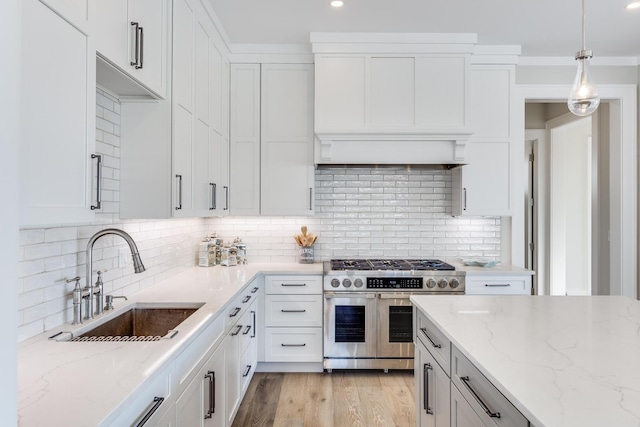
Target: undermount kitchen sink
(140,323)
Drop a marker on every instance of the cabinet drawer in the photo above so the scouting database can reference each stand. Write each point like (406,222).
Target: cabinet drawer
(293,310)
(434,340)
(483,397)
(236,309)
(293,285)
(293,344)
(498,285)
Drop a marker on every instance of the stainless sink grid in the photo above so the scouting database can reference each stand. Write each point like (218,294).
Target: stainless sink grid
(115,338)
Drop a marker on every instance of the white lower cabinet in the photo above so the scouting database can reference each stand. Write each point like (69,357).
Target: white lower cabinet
(242,358)
(462,414)
(293,319)
(432,389)
(203,401)
(498,285)
(457,394)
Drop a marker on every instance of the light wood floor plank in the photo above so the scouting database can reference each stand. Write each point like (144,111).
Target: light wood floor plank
(319,408)
(339,399)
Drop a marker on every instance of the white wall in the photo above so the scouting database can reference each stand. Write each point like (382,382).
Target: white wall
(9,131)
(571,208)
(49,255)
(364,212)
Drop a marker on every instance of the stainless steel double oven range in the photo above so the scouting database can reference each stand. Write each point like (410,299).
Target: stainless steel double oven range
(368,318)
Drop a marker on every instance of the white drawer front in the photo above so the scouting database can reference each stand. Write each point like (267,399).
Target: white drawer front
(437,344)
(293,344)
(298,285)
(483,397)
(498,286)
(293,310)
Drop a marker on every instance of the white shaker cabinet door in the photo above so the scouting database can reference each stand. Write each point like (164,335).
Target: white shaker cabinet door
(462,414)
(287,175)
(244,161)
(58,119)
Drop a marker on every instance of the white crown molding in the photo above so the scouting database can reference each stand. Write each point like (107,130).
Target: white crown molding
(616,61)
(271,53)
(394,38)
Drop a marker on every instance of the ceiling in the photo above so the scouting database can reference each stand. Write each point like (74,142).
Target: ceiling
(540,27)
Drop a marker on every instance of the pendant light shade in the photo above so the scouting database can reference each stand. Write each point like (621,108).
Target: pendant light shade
(583,99)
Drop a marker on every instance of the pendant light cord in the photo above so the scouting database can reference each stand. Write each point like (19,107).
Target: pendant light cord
(584,45)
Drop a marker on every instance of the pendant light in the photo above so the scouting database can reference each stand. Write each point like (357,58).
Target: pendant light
(583,99)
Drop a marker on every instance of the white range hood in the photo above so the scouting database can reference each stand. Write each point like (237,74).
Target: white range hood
(392,99)
(385,148)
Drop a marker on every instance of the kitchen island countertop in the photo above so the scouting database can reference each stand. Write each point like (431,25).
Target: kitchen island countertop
(562,361)
(83,384)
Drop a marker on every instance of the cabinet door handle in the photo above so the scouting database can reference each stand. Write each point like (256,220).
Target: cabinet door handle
(293,311)
(247,371)
(497,285)
(226,197)
(425,388)
(214,202)
(98,204)
(236,310)
(253,323)
(136,44)
(179,192)
(424,331)
(246,331)
(254,290)
(238,328)
(293,345)
(310,198)
(464,194)
(293,284)
(155,404)
(465,380)
(138,67)
(212,394)
(246,299)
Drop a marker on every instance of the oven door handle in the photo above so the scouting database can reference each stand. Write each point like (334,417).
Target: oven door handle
(330,295)
(394,296)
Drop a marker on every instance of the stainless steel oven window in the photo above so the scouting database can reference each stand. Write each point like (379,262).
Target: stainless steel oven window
(350,323)
(400,323)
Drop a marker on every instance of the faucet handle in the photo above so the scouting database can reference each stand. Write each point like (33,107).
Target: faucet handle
(109,301)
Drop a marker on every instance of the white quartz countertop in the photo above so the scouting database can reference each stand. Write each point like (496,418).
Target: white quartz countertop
(82,384)
(562,361)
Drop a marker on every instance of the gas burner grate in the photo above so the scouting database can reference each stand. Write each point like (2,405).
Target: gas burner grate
(390,264)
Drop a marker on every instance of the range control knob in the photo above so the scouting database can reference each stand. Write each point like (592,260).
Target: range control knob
(335,283)
(454,283)
(358,283)
(431,283)
(346,283)
(443,283)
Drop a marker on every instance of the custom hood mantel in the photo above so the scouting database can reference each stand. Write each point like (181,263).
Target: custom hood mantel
(384,98)
(382,148)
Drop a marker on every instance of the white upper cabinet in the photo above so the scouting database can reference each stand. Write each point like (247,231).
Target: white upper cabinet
(286,146)
(132,35)
(77,12)
(484,186)
(186,134)
(244,158)
(393,93)
(271,160)
(57,183)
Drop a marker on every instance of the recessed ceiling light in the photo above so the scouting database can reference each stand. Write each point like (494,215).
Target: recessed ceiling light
(633,5)
(336,3)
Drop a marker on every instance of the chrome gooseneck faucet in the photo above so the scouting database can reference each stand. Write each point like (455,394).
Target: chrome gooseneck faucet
(137,266)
